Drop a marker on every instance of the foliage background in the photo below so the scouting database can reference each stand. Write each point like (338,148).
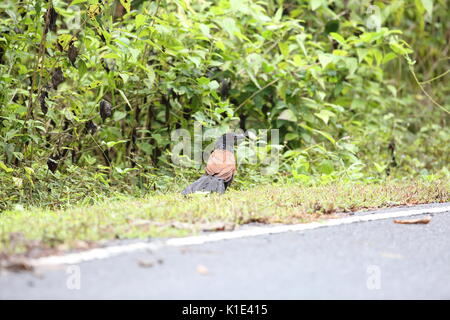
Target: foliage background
(91,90)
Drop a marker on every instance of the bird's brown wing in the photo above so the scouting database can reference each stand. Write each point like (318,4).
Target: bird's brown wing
(222,164)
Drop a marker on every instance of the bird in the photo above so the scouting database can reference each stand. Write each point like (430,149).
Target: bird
(220,168)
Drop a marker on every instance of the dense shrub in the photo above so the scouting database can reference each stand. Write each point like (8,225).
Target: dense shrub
(91,90)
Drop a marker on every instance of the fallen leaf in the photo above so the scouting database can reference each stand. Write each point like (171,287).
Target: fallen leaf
(202,269)
(17,265)
(219,226)
(80,244)
(424,220)
(391,255)
(145,263)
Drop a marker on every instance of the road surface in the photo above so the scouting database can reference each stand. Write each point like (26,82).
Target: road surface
(366,260)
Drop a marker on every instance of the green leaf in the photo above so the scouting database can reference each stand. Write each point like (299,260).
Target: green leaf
(378,55)
(291,136)
(297,60)
(203,81)
(428,5)
(95,84)
(284,49)
(362,53)
(111,144)
(324,115)
(229,25)
(399,48)
(82,68)
(205,30)
(278,14)
(124,77)
(119,115)
(332,26)
(326,135)
(349,147)
(254,61)
(213,85)
(325,59)
(5,168)
(337,37)
(146,147)
(288,115)
(74,2)
(380,167)
(196,60)
(351,64)
(388,57)
(220,45)
(124,97)
(139,20)
(315,4)
(29,171)
(326,167)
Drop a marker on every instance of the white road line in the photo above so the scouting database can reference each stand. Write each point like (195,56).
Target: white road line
(107,252)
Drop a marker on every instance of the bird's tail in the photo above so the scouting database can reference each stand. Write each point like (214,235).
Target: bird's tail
(206,183)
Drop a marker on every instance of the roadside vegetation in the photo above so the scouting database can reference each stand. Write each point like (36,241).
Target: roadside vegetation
(40,231)
(91,91)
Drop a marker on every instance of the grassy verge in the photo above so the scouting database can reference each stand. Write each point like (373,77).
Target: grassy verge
(40,232)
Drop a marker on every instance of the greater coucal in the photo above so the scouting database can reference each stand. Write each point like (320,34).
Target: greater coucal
(220,168)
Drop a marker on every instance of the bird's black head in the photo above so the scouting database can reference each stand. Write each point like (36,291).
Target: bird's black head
(227,141)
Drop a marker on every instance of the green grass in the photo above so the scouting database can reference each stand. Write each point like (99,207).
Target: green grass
(37,232)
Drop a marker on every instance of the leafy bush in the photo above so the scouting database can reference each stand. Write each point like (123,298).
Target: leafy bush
(90,90)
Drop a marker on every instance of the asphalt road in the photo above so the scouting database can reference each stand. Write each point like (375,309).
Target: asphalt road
(367,260)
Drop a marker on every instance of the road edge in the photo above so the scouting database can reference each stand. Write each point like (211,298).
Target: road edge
(111,251)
